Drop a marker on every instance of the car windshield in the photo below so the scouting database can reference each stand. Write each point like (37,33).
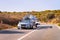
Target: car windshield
(26,21)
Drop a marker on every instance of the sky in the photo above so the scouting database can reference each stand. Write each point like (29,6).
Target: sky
(29,5)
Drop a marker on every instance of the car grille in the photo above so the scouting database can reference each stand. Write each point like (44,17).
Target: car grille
(23,25)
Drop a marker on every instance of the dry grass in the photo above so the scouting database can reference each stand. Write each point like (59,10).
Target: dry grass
(5,26)
(12,18)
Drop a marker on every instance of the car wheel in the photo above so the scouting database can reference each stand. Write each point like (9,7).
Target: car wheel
(18,28)
(50,26)
(36,26)
(31,27)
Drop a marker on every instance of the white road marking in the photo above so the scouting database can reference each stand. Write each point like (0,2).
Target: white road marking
(57,26)
(26,35)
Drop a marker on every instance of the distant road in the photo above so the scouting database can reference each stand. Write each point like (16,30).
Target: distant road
(44,33)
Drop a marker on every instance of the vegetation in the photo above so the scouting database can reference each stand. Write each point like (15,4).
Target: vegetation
(59,24)
(47,16)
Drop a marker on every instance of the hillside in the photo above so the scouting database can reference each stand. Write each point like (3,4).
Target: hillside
(47,16)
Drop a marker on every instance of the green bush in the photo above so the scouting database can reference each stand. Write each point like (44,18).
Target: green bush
(59,24)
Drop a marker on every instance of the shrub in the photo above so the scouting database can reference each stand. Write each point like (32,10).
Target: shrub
(51,16)
(11,21)
(59,24)
(5,26)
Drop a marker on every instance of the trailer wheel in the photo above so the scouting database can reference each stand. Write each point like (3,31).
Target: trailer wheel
(18,28)
(36,25)
(50,26)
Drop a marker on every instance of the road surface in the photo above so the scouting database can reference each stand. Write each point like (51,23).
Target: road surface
(41,33)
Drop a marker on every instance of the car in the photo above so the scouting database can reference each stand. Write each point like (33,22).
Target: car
(28,22)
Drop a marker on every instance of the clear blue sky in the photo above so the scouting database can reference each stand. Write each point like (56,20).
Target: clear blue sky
(29,5)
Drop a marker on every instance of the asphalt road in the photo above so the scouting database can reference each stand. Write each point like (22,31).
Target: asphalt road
(40,33)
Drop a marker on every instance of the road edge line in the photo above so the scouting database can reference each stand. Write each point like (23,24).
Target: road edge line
(58,27)
(26,35)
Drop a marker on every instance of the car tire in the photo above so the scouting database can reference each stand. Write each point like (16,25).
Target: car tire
(31,27)
(18,28)
(50,26)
